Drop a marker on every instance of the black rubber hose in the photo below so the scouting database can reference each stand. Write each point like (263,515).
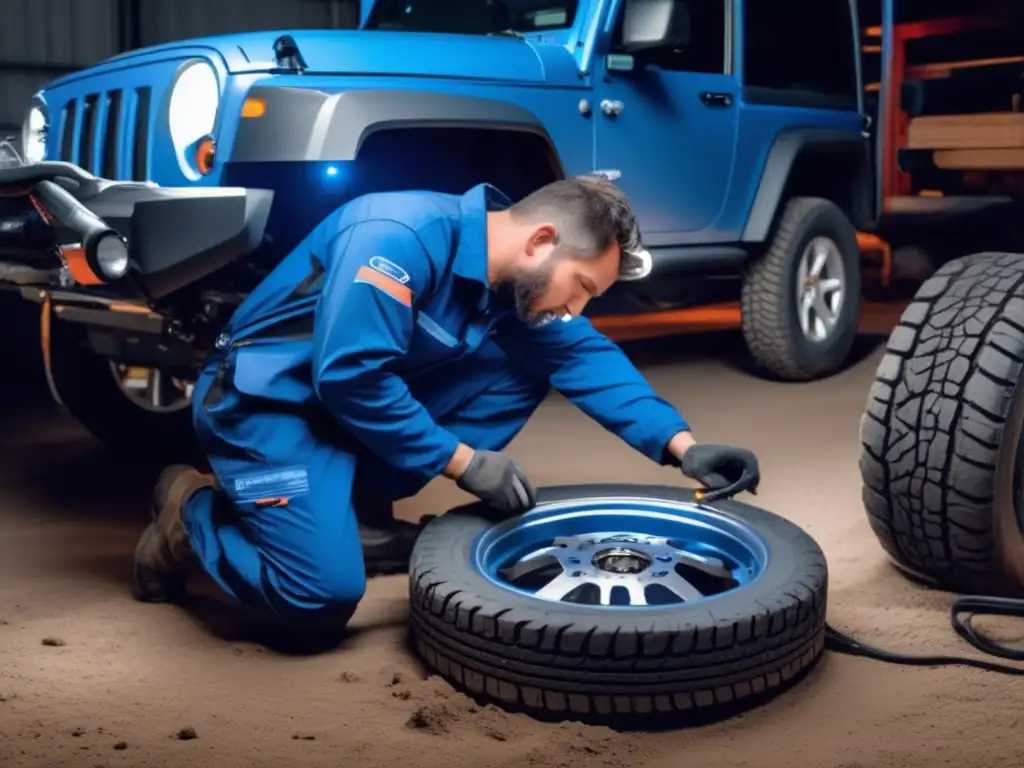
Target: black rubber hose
(962,612)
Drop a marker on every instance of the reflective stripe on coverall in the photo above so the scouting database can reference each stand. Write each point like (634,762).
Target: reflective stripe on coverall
(408,352)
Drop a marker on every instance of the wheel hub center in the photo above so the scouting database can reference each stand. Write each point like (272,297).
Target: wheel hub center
(622,560)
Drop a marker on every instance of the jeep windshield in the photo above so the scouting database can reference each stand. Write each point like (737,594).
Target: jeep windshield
(472,17)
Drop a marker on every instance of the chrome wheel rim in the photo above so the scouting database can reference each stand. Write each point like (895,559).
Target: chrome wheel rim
(621,553)
(820,289)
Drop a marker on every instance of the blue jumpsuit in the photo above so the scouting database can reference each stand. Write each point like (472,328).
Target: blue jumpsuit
(354,370)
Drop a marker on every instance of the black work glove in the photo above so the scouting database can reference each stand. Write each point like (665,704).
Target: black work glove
(498,480)
(724,470)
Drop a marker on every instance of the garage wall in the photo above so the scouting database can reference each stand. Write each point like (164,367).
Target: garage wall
(42,39)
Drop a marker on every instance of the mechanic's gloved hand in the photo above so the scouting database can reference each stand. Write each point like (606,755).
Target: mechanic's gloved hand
(724,470)
(498,480)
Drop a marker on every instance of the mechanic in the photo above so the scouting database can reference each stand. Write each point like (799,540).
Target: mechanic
(411,335)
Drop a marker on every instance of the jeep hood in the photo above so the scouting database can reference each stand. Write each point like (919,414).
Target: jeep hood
(368,52)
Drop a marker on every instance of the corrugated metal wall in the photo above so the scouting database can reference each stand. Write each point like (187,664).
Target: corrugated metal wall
(41,39)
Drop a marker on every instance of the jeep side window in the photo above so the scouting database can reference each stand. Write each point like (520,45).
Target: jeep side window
(799,53)
(472,17)
(707,49)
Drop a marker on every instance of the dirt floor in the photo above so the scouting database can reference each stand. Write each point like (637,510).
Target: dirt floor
(90,678)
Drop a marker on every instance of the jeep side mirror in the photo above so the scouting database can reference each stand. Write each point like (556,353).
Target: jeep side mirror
(651,24)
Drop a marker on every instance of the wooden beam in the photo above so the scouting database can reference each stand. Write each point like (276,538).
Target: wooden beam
(979,159)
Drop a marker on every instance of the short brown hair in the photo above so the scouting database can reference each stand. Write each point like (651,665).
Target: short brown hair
(590,213)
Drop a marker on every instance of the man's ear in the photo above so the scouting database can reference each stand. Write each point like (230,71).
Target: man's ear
(544,235)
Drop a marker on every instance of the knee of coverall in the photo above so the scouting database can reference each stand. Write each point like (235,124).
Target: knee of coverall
(494,406)
(301,560)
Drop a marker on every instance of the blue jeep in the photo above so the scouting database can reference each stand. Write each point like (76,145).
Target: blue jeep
(737,128)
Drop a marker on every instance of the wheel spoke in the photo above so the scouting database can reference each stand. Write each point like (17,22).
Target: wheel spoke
(153,384)
(606,592)
(802,272)
(680,587)
(820,258)
(637,596)
(824,312)
(806,305)
(558,587)
(830,285)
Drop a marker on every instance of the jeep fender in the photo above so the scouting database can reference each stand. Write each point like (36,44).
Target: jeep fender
(305,125)
(785,151)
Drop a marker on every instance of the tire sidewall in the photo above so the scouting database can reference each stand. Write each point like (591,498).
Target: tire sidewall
(792,556)
(88,389)
(824,220)
(1006,525)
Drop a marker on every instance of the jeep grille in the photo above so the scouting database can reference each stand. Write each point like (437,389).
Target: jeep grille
(107,133)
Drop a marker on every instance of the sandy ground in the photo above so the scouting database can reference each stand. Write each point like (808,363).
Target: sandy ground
(90,678)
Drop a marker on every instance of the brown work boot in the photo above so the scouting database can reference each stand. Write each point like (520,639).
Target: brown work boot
(164,553)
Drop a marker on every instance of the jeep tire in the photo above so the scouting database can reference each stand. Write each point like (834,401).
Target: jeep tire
(89,390)
(941,435)
(771,297)
(562,660)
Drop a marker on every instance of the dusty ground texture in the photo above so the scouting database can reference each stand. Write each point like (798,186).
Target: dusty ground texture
(90,678)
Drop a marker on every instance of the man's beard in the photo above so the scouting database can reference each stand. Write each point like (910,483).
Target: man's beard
(528,286)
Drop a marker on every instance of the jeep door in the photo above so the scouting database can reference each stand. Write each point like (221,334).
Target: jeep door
(669,123)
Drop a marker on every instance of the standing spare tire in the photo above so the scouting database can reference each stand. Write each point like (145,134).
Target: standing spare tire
(941,435)
(619,602)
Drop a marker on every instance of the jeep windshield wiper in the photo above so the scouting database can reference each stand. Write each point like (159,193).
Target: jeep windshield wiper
(507,33)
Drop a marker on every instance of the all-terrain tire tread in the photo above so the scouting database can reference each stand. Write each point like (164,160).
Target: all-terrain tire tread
(934,421)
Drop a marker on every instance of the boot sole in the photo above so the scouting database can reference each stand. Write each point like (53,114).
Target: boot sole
(150,586)
(153,587)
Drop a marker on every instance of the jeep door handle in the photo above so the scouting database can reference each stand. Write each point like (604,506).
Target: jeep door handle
(611,108)
(710,99)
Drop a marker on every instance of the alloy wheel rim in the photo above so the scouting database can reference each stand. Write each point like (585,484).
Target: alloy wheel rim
(618,553)
(820,289)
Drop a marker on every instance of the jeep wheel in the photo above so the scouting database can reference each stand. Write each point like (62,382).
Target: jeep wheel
(801,300)
(148,418)
(942,456)
(613,602)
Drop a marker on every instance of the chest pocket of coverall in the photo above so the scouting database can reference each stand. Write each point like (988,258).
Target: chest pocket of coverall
(431,345)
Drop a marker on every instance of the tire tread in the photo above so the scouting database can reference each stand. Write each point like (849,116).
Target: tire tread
(765,314)
(934,421)
(596,665)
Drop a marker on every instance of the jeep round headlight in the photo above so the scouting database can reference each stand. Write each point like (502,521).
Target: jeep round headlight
(33,134)
(192,112)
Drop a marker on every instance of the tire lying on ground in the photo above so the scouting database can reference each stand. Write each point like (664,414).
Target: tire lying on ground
(573,660)
(941,434)
(811,270)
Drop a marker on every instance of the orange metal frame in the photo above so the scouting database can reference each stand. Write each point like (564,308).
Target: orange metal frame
(894,120)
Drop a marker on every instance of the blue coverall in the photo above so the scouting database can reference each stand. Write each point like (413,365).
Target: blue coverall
(355,369)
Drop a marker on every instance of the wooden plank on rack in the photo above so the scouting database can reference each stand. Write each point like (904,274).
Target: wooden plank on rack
(979,159)
(994,130)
